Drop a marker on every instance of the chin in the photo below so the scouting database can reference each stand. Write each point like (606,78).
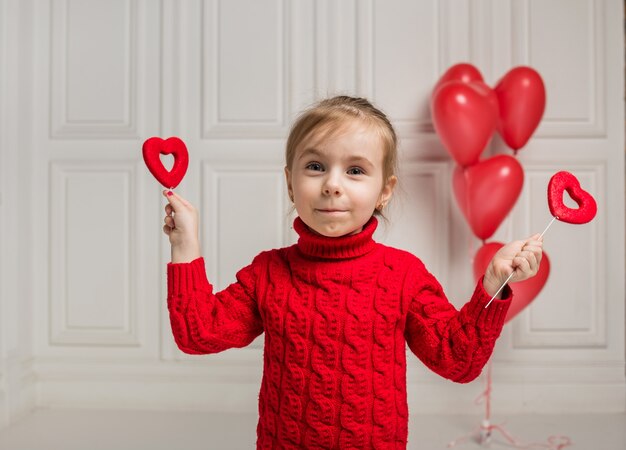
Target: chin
(335,231)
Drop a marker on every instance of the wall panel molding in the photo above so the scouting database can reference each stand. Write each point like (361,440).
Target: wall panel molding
(86,100)
(415,32)
(579,40)
(93,285)
(255,200)
(222,114)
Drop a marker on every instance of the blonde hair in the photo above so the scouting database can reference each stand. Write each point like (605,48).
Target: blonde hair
(332,114)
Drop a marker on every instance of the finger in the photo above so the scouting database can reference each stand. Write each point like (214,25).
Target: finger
(521,264)
(532,260)
(168,209)
(173,200)
(536,251)
(167,230)
(534,237)
(532,248)
(169,221)
(180,199)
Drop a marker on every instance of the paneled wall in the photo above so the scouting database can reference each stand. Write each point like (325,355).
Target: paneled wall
(85,82)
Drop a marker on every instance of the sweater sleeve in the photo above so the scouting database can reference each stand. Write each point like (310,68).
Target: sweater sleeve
(454,344)
(203,322)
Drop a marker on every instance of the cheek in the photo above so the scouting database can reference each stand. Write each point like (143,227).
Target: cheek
(368,192)
(304,186)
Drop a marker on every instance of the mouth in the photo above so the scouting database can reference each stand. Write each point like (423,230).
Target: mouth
(331,211)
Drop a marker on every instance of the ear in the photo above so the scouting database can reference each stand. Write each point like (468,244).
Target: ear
(387,191)
(288,180)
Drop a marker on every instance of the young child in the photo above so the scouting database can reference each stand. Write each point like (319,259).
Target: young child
(337,307)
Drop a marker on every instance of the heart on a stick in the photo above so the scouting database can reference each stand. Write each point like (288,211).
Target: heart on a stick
(565,181)
(152,150)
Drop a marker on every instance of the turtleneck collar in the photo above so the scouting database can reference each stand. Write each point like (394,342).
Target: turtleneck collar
(315,245)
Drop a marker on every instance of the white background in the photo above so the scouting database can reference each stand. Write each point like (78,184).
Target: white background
(83,318)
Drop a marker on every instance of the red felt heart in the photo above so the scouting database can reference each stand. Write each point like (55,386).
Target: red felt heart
(524,292)
(565,181)
(487,191)
(465,117)
(154,147)
(522,101)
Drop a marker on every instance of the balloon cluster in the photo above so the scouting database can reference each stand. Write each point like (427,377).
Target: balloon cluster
(466,112)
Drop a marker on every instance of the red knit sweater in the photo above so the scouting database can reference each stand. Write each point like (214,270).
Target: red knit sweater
(336,313)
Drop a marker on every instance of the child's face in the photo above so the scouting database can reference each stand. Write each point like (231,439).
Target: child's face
(336,180)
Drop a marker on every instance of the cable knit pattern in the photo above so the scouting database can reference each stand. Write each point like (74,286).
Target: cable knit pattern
(336,313)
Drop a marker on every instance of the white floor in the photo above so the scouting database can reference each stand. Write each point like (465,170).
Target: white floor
(58,429)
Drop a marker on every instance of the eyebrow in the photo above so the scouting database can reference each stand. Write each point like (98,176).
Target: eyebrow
(312,151)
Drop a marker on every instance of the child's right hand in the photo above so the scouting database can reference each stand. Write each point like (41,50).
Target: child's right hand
(181,226)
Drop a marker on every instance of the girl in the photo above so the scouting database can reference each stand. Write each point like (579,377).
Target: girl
(337,307)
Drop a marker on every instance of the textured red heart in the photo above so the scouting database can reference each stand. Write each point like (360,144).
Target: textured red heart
(154,147)
(565,181)
(465,117)
(486,192)
(522,101)
(524,292)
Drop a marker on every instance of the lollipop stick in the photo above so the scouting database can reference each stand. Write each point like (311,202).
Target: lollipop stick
(544,231)
(512,273)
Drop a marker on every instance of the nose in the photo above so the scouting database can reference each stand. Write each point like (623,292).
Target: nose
(332,186)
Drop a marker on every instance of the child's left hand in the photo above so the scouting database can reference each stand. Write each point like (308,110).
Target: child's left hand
(522,257)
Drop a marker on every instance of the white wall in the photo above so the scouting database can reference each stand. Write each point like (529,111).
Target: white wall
(84,83)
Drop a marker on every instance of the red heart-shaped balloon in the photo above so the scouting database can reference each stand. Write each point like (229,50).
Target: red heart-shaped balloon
(522,100)
(464,72)
(154,147)
(565,181)
(465,117)
(486,192)
(524,292)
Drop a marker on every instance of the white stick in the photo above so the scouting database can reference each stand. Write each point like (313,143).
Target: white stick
(501,287)
(511,276)
(544,231)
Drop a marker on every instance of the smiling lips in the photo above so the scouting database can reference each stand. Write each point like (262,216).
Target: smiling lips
(331,211)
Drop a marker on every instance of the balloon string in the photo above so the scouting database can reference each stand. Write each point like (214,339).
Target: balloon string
(486,394)
(484,431)
(554,442)
(512,273)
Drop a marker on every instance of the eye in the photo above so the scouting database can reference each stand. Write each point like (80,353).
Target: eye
(355,171)
(314,166)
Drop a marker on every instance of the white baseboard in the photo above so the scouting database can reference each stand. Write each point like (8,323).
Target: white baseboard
(222,387)
(17,390)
